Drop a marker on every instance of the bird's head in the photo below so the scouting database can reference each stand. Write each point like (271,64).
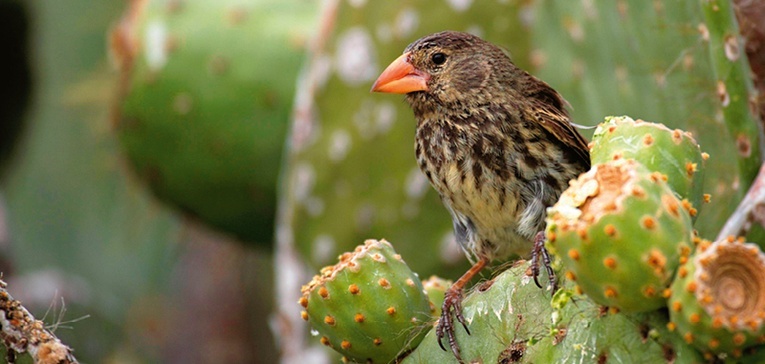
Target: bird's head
(448,68)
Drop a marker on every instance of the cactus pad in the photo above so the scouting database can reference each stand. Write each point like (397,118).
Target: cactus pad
(205,93)
(717,300)
(620,232)
(370,306)
(513,321)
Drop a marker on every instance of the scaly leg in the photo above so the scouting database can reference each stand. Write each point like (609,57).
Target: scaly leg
(539,248)
(453,304)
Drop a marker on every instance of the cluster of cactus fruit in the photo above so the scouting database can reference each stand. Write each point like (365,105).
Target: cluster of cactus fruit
(623,231)
(624,240)
(621,228)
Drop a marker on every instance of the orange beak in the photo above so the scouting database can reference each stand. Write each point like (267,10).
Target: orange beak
(401,78)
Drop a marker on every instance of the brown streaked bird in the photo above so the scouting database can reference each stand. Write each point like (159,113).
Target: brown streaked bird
(494,141)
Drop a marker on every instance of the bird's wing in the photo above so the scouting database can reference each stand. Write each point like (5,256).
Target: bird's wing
(550,112)
(560,126)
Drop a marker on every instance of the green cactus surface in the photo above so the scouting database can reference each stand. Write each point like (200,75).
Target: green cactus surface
(370,306)
(733,85)
(650,60)
(206,93)
(717,300)
(673,153)
(512,321)
(620,232)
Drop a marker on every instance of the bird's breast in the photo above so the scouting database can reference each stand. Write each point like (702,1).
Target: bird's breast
(472,171)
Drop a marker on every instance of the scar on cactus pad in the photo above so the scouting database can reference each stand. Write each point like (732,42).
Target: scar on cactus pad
(717,301)
(674,153)
(370,306)
(620,232)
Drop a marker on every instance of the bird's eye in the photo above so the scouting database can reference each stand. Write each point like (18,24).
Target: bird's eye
(438,58)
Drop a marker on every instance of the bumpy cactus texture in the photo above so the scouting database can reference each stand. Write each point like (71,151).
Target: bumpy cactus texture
(650,61)
(733,84)
(717,300)
(207,90)
(620,232)
(513,321)
(673,153)
(370,306)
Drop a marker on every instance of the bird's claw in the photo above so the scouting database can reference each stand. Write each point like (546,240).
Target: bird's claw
(452,306)
(539,249)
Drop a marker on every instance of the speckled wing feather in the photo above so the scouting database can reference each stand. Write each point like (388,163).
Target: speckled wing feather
(550,112)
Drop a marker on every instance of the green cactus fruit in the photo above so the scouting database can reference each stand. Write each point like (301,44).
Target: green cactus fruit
(435,288)
(620,232)
(513,321)
(370,306)
(204,104)
(717,300)
(673,153)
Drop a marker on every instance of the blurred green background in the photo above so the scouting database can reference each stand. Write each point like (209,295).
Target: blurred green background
(150,149)
(120,276)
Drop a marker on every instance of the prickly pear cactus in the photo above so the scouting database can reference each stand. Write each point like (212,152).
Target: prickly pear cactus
(205,100)
(673,153)
(717,300)
(733,84)
(513,321)
(370,306)
(652,61)
(620,232)
(494,311)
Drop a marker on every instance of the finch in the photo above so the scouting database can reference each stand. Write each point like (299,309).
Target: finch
(494,141)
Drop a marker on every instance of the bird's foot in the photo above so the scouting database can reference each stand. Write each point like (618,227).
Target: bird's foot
(451,308)
(540,250)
